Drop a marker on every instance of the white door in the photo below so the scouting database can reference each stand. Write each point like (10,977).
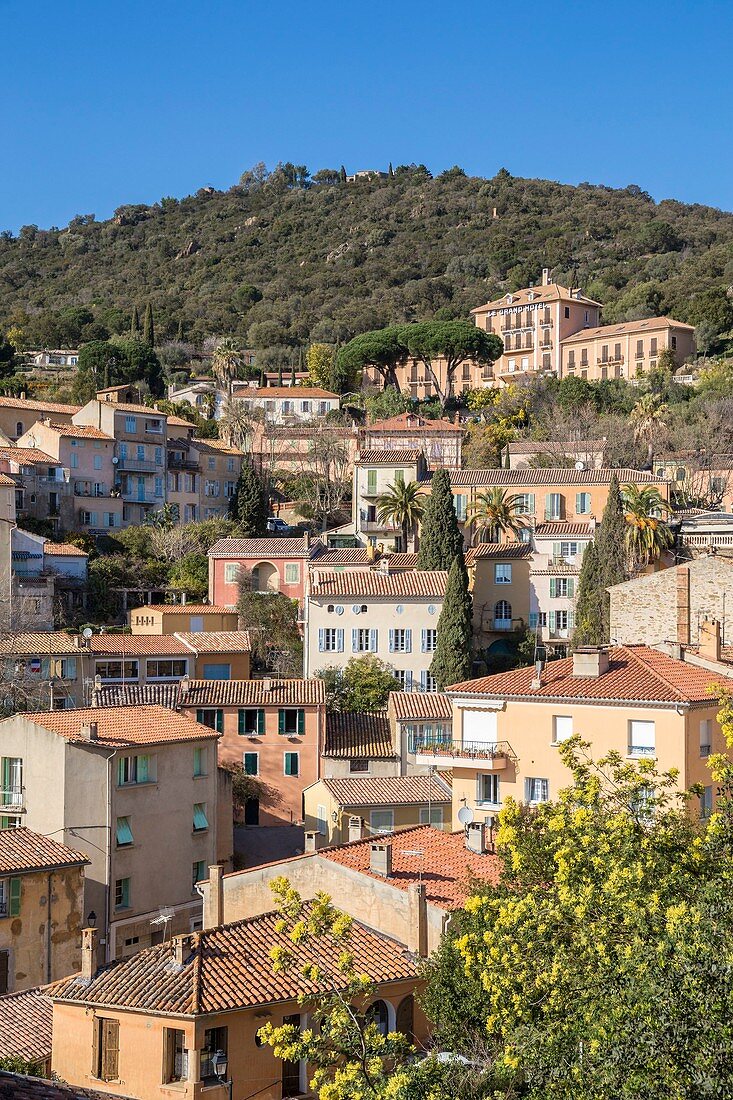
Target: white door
(479,727)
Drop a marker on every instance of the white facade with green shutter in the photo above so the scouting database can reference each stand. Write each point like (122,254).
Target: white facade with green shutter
(554,582)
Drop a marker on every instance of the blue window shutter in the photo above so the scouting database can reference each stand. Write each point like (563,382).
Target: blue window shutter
(423,679)
(339,641)
(354,640)
(552,622)
(533,620)
(391,641)
(408,641)
(321,639)
(408,680)
(553,588)
(372,640)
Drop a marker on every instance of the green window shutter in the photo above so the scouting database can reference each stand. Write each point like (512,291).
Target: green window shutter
(553,588)
(551,618)
(240,722)
(301,721)
(571,620)
(261,721)
(281,721)
(14,897)
(530,503)
(557,549)
(220,721)
(571,586)
(200,716)
(143,769)
(371,481)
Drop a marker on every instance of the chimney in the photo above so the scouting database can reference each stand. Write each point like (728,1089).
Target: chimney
(77,641)
(306,540)
(590,661)
(380,859)
(214,897)
(356,829)
(182,949)
(476,838)
(709,639)
(417,907)
(267,685)
(311,841)
(683,604)
(536,682)
(545,276)
(89,947)
(90,731)
(184,686)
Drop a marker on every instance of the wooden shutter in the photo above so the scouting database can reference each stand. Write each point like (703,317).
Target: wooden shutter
(354,640)
(240,722)
(301,721)
(391,641)
(321,639)
(261,721)
(4,960)
(110,1050)
(553,587)
(408,641)
(339,641)
(372,641)
(423,641)
(281,721)
(571,586)
(14,897)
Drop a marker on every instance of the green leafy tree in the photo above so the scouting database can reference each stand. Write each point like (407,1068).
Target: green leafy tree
(454,342)
(319,359)
(248,504)
(440,537)
(384,349)
(402,505)
(272,621)
(100,364)
(226,362)
(452,659)
(190,574)
(149,326)
(135,324)
(363,684)
(497,512)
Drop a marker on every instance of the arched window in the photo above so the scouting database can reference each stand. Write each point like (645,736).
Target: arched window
(405,1016)
(19,428)
(680,473)
(503,615)
(378,1014)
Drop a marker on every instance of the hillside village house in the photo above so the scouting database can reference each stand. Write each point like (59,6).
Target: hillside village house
(591,452)
(287,404)
(136,791)
(202,477)
(702,533)
(703,481)
(274,728)
(393,616)
(414,380)
(274,565)
(18,414)
(39,482)
(7,525)
(303,447)
(375,471)
(151,1024)
(168,658)
(49,581)
(338,810)
(358,744)
(190,618)
(41,903)
(26,1024)
(625,350)
(633,699)
(440,440)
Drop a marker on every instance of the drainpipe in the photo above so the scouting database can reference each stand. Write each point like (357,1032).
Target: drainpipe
(48,927)
(108,876)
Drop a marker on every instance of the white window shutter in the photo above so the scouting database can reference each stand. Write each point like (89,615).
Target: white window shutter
(408,641)
(321,640)
(339,641)
(391,641)
(552,622)
(423,679)
(372,640)
(423,641)
(408,680)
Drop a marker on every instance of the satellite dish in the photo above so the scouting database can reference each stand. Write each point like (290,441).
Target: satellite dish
(115,460)
(87,633)
(465,815)
(580,465)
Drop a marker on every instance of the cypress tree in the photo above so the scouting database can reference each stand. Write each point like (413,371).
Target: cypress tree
(179,334)
(342,174)
(589,604)
(440,538)
(148,326)
(452,658)
(280,375)
(248,505)
(606,566)
(135,323)
(263,378)
(293,378)
(390,171)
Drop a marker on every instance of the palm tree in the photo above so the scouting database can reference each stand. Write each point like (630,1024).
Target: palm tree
(647,417)
(208,404)
(498,512)
(236,423)
(647,534)
(401,505)
(226,362)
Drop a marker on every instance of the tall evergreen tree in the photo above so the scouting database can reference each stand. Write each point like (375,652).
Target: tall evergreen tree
(452,658)
(390,171)
(342,174)
(135,323)
(280,375)
(589,604)
(148,326)
(179,334)
(440,537)
(609,568)
(293,377)
(248,505)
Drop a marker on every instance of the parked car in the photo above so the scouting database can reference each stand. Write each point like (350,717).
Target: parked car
(277,526)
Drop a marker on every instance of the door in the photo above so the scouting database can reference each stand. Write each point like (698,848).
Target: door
(291,1070)
(141,488)
(252,811)
(479,727)
(4,971)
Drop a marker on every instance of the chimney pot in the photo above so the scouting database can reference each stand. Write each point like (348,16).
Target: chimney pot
(182,949)
(356,829)
(214,897)
(545,276)
(476,837)
(311,840)
(590,661)
(89,946)
(380,859)
(709,640)
(90,731)
(267,685)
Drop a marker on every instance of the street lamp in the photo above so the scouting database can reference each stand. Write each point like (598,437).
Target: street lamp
(91,919)
(220,1064)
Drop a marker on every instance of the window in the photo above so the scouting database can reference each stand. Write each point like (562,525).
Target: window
(639,349)
(641,738)
(108,1049)
(12,781)
(176,1055)
(460,501)
(196,624)
(199,761)
(117,670)
(251,763)
(562,587)
(403,676)
(427,681)
(166,669)
(381,821)
(363,640)
(198,872)
(10,890)
(140,452)
(97,462)
(217,672)
(706,737)
(200,820)
(400,641)
(135,769)
(428,640)
(212,462)
(291,721)
(371,482)
(211,717)
(122,893)
(553,506)
(560,622)
(291,763)
(432,816)
(292,572)
(251,722)
(360,764)
(536,790)
(158,487)
(330,640)
(562,728)
(502,573)
(215,1038)
(537,618)
(487,789)
(123,832)
(673,343)
(706,802)
(321,820)
(582,504)
(502,615)
(525,504)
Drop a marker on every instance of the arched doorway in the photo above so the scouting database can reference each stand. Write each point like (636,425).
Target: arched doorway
(265,578)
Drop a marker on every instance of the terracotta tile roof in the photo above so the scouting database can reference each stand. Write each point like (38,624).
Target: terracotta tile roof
(388,458)
(136,695)
(362,583)
(420,706)
(26,1025)
(299,392)
(393,790)
(261,548)
(394,562)
(23,850)
(218,446)
(359,735)
(216,641)
(80,431)
(121,726)
(37,406)
(507,550)
(553,446)
(560,476)
(636,674)
(185,609)
(179,422)
(147,410)
(254,693)
(227,968)
(6,482)
(627,328)
(560,528)
(409,422)
(40,644)
(28,456)
(553,292)
(64,550)
(347,555)
(138,645)
(445,865)
(15,1087)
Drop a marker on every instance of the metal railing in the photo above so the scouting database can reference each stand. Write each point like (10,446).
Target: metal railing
(140,466)
(11,798)
(419,743)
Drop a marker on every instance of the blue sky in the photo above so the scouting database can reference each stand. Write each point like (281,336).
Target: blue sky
(108,103)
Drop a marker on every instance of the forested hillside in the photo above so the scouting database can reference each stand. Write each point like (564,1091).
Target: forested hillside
(282,259)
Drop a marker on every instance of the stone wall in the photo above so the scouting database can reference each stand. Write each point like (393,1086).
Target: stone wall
(669,606)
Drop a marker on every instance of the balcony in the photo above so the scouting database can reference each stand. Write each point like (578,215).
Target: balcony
(502,624)
(182,463)
(12,800)
(612,361)
(93,489)
(375,527)
(140,466)
(493,756)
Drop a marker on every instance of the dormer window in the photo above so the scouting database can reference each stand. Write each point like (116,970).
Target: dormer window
(509,299)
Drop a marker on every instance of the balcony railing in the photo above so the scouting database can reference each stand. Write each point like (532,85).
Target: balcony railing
(375,526)
(182,463)
(503,624)
(493,755)
(12,799)
(132,496)
(138,465)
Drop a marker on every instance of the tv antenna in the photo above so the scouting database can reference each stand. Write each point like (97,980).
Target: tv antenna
(163,920)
